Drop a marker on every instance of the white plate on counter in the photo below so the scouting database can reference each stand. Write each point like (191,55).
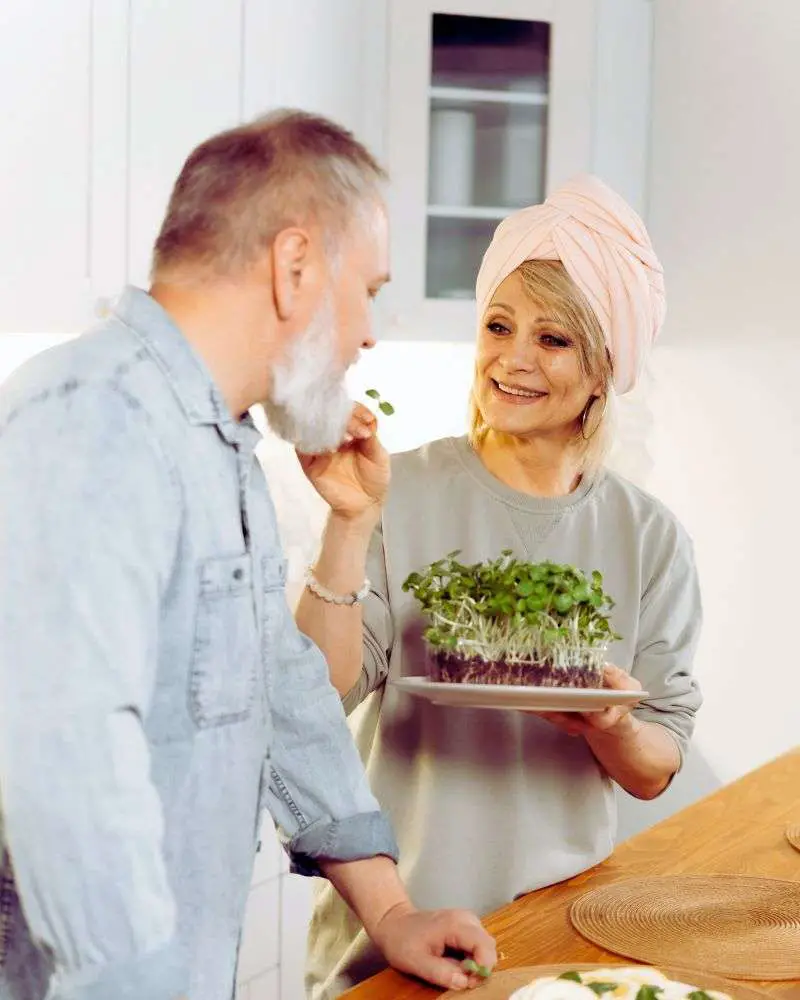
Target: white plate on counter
(516,698)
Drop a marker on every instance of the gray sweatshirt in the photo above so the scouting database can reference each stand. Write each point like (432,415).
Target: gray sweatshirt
(488,805)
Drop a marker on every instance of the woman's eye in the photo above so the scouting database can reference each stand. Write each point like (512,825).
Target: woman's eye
(555,340)
(496,327)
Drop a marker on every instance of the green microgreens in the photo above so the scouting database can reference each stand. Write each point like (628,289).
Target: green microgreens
(383,405)
(470,966)
(515,611)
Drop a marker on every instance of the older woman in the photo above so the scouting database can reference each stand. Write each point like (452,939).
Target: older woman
(490,805)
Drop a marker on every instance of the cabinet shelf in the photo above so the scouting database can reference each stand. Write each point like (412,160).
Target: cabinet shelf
(470,95)
(491,212)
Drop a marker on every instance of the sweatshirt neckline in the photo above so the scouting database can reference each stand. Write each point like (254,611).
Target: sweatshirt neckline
(472,463)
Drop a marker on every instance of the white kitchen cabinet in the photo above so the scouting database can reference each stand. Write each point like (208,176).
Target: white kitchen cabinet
(490,105)
(45,166)
(186,82)
(102,101)
(63,175)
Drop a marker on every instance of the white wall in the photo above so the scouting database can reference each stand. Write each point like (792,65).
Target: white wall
(724,214)
(725,158)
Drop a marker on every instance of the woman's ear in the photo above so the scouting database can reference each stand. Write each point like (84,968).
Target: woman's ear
(598,389)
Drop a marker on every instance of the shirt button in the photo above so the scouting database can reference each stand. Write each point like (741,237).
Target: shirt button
(238,574)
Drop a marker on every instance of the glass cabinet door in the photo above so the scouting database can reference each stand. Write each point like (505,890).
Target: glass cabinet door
(488,98)
(490,104)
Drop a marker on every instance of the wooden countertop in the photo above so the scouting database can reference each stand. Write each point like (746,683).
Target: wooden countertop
(738,829)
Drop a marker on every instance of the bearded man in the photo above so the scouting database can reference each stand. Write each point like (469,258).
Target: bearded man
(155,694)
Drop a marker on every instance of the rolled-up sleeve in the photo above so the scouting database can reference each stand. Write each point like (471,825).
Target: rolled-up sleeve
(669,629)
(318,791)
(88,524)
(378,628)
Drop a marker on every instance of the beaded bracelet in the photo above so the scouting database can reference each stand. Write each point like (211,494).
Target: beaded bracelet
(316,588)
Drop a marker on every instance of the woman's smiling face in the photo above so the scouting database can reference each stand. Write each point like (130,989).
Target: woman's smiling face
(529,379)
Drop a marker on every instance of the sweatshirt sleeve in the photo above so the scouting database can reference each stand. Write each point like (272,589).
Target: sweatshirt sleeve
(378,629)
(669,629)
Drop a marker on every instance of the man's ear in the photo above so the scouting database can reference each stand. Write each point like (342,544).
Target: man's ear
(293,270)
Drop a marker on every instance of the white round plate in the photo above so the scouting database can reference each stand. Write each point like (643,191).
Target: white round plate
(513,697)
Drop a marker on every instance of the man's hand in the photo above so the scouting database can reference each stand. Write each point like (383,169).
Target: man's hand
(354,479)
(415,941)
(613,721)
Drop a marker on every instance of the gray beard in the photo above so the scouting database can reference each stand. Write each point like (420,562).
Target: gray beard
(309,405)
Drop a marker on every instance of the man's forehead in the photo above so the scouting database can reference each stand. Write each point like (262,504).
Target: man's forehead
(371,244)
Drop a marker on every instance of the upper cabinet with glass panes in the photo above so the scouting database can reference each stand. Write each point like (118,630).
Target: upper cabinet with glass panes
(489,106)
(487,138)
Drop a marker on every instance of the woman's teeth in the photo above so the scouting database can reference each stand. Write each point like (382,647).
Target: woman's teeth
(513,391)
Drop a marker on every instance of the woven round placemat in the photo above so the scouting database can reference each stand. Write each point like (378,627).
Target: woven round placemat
(793,835)
(502,984)
(732,925)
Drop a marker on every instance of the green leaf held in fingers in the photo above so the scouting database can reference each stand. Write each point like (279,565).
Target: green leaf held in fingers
(383,405)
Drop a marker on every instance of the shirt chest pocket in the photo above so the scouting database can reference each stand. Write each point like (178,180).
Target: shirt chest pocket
(222,685)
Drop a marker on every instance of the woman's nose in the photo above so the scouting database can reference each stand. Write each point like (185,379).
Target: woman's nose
(519,358)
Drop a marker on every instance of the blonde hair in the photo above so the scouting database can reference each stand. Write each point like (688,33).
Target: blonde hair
(548,284)
(240,188)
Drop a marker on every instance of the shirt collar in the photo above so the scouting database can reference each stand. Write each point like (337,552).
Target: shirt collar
(183,368)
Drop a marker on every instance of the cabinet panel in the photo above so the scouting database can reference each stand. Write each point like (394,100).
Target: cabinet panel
(323,57)
(186,82)
(108,162)
(44,172)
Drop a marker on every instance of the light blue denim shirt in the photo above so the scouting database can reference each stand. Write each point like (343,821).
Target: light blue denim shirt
(155,694)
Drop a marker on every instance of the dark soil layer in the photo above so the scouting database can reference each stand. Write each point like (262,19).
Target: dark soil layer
(451,669)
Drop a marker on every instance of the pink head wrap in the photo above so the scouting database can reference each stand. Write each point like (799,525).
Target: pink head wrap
(605,249)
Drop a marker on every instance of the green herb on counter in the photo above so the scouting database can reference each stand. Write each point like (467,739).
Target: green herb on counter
(471,966)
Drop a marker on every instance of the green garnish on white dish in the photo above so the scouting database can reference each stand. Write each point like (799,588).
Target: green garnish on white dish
(614,983)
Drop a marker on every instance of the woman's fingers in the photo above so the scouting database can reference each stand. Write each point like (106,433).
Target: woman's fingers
(618,680)
(363,422)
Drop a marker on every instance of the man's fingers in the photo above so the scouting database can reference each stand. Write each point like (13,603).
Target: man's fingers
(425,946)
(473,938)
(444,972)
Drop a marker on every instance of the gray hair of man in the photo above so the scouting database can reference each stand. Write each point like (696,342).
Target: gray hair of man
(240,188)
